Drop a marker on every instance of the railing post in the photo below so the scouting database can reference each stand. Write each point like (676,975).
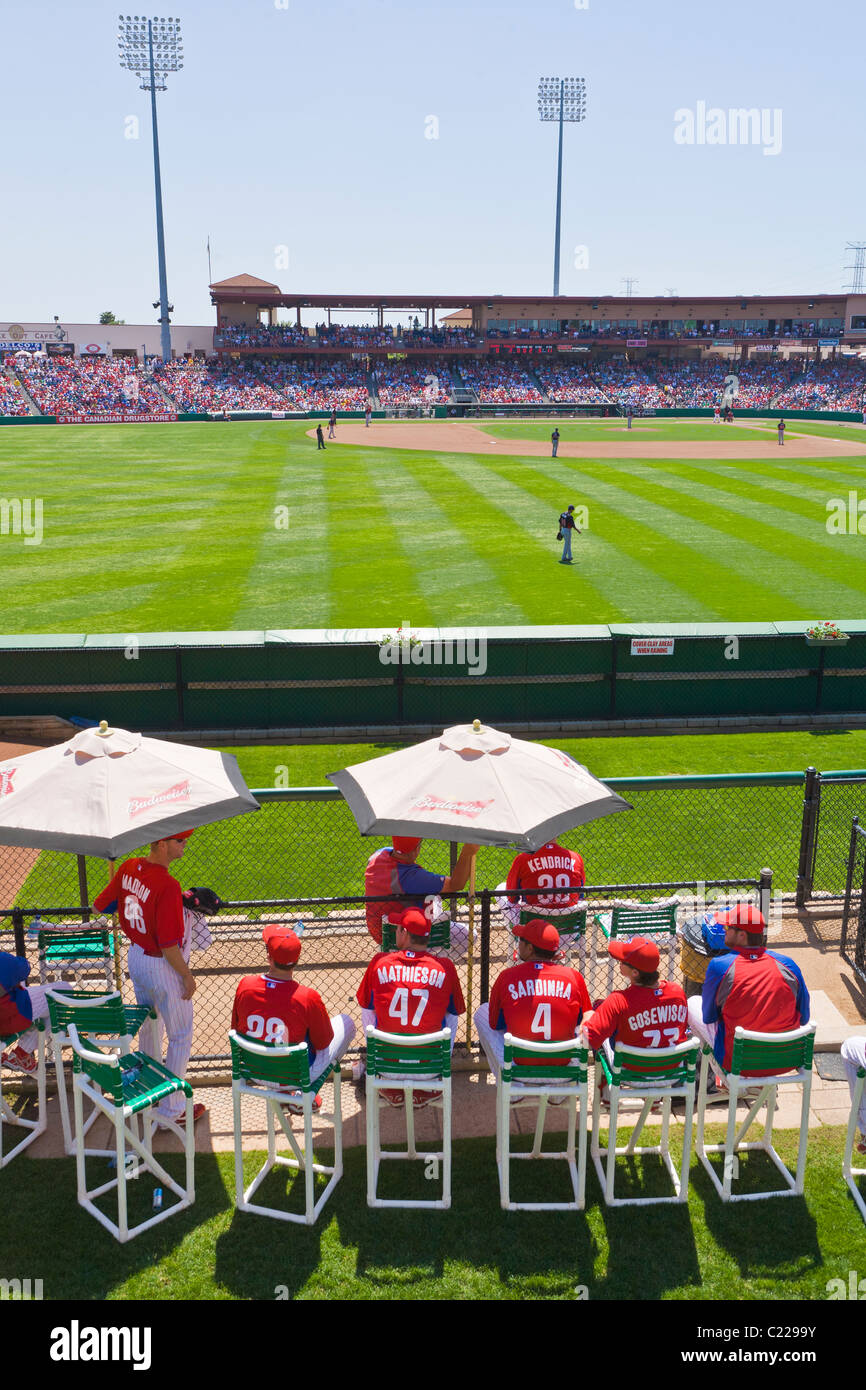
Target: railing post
(849,879)
(178,683)
(18,929)
(485,945)
(765,893)
(808,828)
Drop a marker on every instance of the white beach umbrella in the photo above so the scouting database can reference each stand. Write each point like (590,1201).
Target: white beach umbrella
(108,791)
(478,784)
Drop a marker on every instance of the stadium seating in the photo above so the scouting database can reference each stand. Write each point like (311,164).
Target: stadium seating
(501,381)
(12,401)
(91,386)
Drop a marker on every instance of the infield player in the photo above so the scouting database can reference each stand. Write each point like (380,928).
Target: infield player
(411,991)
(276,1008)
(332,422)
(149,906)
(537,999)
(394,870)
(780,430)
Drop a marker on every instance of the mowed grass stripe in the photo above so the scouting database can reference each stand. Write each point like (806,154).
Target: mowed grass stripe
(526,543)
(373,580)
(628,563)
(461,552)
(741,571)
(90,511)
(289,583)
(779,526)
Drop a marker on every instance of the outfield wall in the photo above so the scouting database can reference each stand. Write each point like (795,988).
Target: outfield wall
(348,680)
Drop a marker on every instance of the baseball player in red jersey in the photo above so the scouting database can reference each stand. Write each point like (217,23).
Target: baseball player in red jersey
(276,1008)
(553,867)
(647,1013)
(411,991)
(394,870)
(538,999)
(149,906)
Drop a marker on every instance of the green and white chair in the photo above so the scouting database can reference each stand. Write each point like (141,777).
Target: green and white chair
(852,1174)
(106,1015)
(570,922)
(267,1072)
(787,1057)
(536,1073)
(402,1062)
(655,921)
(80,951)
(650,1074)
(124,1087)
(438,940)
(32,1128)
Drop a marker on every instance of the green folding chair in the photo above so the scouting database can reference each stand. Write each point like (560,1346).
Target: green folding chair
(852,1174)
(397,1062)
(787,1057)
(656,921)
(106,1016)
(650,1074)
(569,922)
(76,951)
(279,1076)
(536,1073)
(32,1128)
(124,1087)
(438,940)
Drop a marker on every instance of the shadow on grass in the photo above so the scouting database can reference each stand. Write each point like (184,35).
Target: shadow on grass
(54,1239)
(774,1239)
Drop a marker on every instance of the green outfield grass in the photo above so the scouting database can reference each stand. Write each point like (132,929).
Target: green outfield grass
(705,1250)
(314,848)
(172,527)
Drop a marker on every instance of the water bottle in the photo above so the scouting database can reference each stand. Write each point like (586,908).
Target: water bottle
(157,1199)
(298,929)
(130,1073)
(36,926)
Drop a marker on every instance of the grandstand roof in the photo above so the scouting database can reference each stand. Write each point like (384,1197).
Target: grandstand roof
(245,282)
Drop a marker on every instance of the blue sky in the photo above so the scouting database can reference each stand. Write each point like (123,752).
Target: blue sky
(304,127)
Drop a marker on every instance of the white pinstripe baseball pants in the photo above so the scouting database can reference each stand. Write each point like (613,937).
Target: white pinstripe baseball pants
(854,1056)
(159,986)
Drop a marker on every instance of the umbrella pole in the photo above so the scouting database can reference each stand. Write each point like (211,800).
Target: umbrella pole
(470,954)
(116,935)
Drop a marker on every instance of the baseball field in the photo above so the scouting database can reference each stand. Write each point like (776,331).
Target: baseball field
(247,525)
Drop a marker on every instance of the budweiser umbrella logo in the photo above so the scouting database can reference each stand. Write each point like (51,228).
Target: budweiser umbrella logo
(470,809)
(6,781)
(140,804)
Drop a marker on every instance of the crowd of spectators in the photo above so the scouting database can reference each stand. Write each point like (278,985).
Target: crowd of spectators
(409,383)
(260,335)
(569,382)
(827,386)
(501,381)
(90,386)
(12,401)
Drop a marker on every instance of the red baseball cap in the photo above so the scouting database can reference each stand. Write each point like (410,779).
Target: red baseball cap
(744,917)
(415,922)
(284,945)
(179,835)
(539,933)
(639,953)
(405,844)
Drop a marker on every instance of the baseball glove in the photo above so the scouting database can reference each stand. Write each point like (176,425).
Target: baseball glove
(202,899)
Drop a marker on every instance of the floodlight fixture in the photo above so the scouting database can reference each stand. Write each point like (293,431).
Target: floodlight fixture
(561,99)
(151,48)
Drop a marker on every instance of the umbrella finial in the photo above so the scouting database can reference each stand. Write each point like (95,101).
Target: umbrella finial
(476,725)
(103,727)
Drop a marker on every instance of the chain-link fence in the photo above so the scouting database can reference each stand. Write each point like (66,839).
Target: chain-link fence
(853,944)
(337,949)
(841,796)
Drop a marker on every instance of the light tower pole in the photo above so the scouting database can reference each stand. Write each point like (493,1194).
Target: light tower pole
(560,99)
(152,48)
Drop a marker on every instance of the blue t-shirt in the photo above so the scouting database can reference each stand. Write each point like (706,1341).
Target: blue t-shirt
(14,970)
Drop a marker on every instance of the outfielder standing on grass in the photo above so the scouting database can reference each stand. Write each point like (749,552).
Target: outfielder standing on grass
(149,905)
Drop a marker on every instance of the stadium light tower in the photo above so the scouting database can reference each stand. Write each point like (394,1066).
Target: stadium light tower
(152,48)
(560,99)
